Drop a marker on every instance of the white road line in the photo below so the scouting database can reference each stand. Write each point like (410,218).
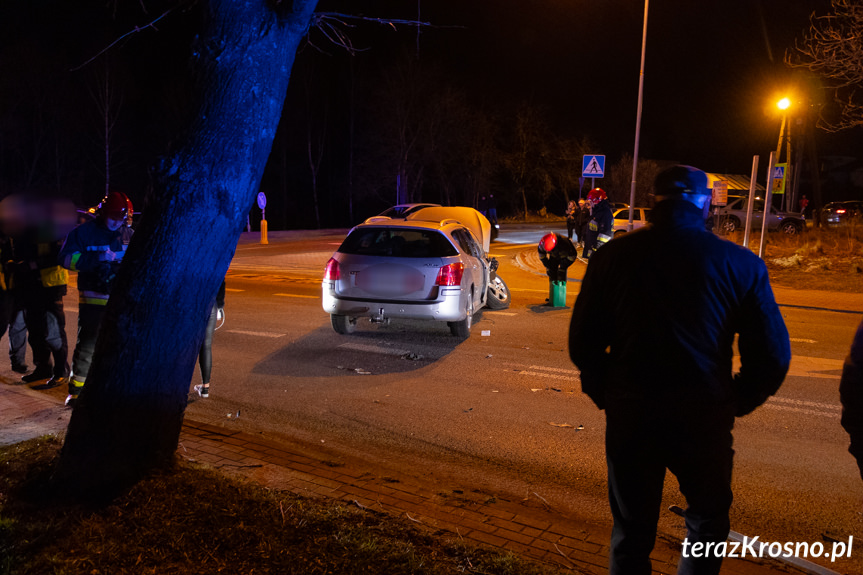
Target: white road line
(835,406)
(256,333)
(295,295)
(574,372)
(491,311)
(374,349)
(572,378)
(802,410)
(801,340)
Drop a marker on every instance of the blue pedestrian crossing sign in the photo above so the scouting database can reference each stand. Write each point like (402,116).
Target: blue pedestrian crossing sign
(593,166)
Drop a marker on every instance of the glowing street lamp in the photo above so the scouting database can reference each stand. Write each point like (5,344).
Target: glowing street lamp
(783,104)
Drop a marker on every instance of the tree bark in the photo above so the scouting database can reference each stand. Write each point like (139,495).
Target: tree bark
(128,417)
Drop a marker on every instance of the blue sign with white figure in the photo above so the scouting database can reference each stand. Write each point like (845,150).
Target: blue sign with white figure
(593,166)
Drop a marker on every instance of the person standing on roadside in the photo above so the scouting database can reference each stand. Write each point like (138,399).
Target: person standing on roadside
(42,289)
(205,355)
(851,397)
(94,249)
(571,213)
(582,219)
(665,380)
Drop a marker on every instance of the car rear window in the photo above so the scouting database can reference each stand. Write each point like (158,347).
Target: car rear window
(398,243)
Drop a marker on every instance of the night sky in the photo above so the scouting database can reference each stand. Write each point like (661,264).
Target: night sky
(712,73)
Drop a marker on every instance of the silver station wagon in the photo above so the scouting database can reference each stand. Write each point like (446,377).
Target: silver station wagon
(432,265)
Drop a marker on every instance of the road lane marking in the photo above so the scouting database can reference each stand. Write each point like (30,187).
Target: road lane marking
(495,312)
(374,349)
(835,406)
(545,291)
(805,366)
(803,410)
(542,367)
(295,295)
(234,289)
(256,333)
(569,378)
(801,340)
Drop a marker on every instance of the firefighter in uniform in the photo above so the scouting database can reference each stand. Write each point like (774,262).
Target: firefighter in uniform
(94,250)
(557,253)
(599,229)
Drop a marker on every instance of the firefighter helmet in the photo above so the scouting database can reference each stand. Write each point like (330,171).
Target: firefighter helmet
(596,195)
(115,205)
(548,242)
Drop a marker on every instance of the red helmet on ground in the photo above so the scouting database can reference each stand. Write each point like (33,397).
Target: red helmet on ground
(115,206)
(596,195)
(548,242)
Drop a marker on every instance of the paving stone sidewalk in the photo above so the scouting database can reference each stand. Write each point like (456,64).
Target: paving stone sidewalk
(525,527)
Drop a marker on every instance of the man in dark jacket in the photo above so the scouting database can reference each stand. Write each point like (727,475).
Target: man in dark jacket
(665,379)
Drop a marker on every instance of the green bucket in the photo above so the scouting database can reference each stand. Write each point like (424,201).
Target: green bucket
(558,294)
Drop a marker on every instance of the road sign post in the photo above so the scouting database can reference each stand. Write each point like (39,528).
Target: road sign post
(262,203)
(593,166)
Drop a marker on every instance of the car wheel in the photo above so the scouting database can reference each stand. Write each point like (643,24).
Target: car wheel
(497,296)
(343,324)
(732,224)
(461,328)
(619,233)
(790,228)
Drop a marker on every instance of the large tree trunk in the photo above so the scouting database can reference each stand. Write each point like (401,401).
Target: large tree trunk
(128,417)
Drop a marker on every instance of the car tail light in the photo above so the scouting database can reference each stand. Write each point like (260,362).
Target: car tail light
(450,275)
(840,211)
(331,271)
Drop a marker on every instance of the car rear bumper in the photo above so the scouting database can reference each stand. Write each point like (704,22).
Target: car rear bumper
(446,307)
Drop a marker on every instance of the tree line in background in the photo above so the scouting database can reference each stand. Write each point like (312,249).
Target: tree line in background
(404,132)
(359,133)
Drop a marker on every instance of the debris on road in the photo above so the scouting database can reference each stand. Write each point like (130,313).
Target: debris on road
(579,427)
(412,356)
(486,332)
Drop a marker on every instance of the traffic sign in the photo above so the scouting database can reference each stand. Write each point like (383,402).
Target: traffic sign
(779,178)
(720,193)
(262,200)
(593,166)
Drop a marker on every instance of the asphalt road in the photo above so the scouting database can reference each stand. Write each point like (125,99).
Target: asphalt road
(502,411)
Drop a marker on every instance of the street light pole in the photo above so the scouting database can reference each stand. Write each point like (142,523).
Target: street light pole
(783,105)
(638,120)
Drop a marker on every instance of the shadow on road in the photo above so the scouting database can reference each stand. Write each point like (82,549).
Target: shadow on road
(372,350)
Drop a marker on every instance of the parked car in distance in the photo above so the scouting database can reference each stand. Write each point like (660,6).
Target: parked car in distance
(433,265)
(837,214)
(731,216)
(621,219)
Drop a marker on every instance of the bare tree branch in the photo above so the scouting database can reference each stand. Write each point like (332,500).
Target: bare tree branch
(150,24)
(832,49)
(330,24)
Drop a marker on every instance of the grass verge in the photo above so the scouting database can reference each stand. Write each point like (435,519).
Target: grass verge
(194,520)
